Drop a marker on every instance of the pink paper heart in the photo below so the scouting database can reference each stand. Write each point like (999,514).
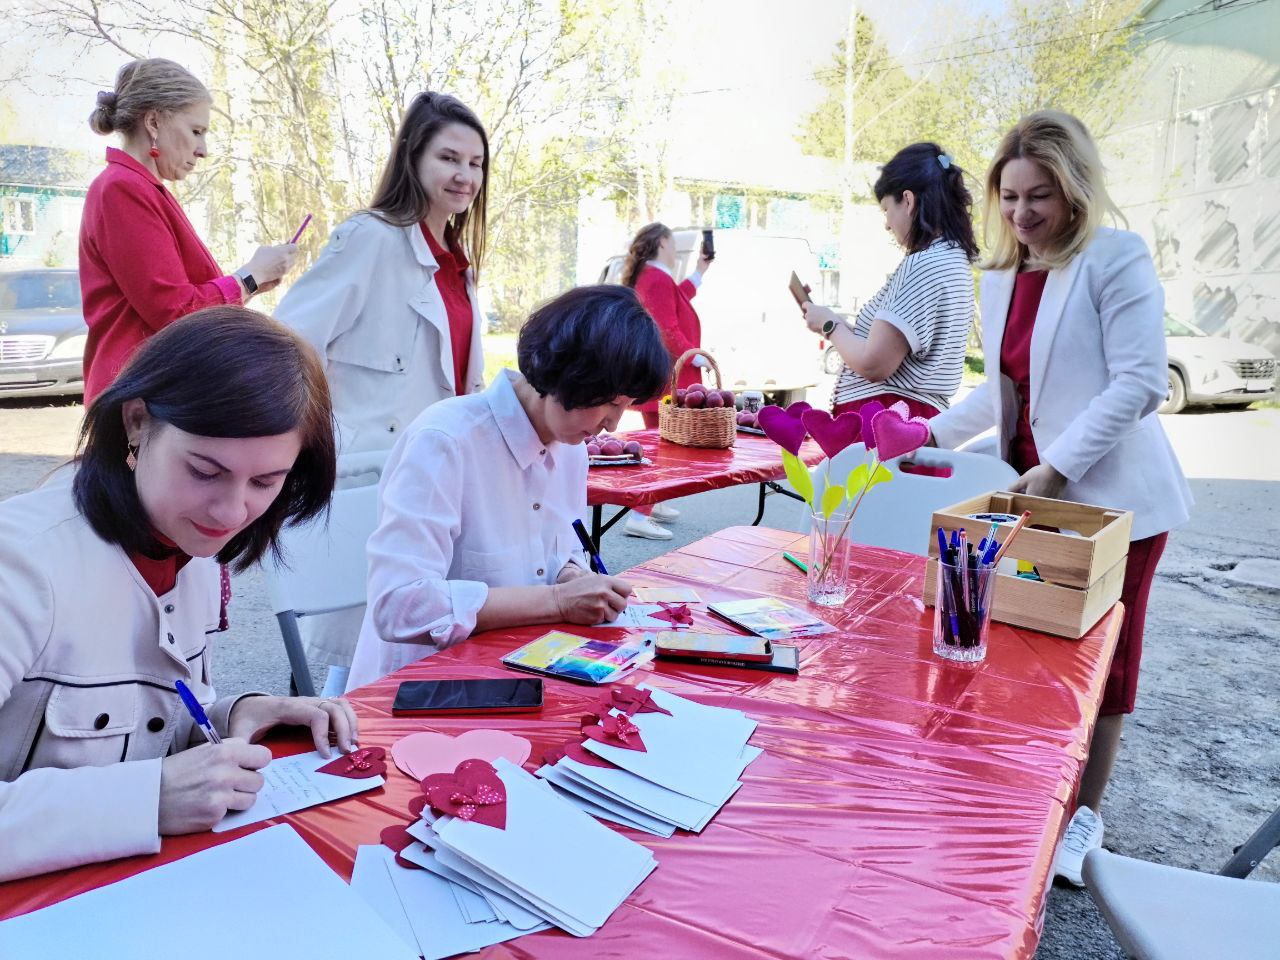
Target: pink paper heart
(473,792)
(867,412)
(358,764)
(832,434)
(782,428)
(896,436)
(422,754)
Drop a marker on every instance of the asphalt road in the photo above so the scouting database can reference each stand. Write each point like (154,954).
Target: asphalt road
(1199,769)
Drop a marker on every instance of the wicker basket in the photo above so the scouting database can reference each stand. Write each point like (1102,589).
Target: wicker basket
(701,426)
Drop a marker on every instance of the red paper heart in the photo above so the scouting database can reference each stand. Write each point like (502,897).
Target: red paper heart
(574,751)
(631,700)
(417,805)
(472,792)
(833,435)
(782,428)
(896,436)
(616,731)
(398,839)
(358,764)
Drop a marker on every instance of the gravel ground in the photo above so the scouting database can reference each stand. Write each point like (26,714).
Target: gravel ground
(1199,768)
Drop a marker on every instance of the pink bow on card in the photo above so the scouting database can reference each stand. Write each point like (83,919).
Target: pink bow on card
(677,614)
(616,731)
(473,792)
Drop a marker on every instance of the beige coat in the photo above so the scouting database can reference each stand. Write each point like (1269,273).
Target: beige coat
(88,660)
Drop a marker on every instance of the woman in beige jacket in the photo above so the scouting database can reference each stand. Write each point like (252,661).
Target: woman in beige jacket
(216,434)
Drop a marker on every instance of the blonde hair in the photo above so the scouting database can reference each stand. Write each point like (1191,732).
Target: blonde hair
(1060,145)
(141,86)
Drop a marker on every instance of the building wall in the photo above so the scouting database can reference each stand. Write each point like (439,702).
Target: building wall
(38,226)
(1195,164)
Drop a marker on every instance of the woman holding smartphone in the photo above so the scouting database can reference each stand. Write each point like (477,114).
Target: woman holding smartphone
(1074,318)
(142,265)
(650,269)
(908,342)
(390,304)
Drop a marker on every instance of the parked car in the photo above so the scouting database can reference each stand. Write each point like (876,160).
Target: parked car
(750,323)
(1214,371)
(42,333)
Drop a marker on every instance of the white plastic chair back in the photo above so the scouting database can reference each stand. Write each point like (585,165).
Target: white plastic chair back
(896,515)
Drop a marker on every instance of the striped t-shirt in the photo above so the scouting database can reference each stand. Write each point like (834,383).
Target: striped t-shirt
(929,299)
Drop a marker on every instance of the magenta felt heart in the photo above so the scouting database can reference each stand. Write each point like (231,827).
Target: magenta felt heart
(832,434)
(798,408)
(896,436)
(472,792)
(358,764)
(782,428)
(867,412)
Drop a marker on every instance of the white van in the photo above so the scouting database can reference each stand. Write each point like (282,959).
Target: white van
(750,323)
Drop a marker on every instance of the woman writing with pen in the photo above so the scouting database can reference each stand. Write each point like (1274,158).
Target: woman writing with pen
(142,265)
(215,435)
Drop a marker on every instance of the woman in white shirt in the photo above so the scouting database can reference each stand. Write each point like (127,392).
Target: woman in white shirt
(390,305)
(908,342)
(1076,367)
(216,434)
(478,498)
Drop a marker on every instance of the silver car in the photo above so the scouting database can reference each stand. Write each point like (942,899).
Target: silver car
(1214,371)
(42,333)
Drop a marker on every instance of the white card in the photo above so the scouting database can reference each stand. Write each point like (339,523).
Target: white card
(370,879)
(644,795)
(602,806)
(637,616)
(267,894)
(516,914)
(714,722)
(666,595)
(677,757)
(292,784)
(550,851)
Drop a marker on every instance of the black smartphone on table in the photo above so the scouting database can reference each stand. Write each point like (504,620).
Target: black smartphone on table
(520,695)
(708,244)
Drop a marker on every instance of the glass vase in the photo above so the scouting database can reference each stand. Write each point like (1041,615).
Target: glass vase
(830,578)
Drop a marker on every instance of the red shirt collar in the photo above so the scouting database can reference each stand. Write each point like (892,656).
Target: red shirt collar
(116,155)
(453,257)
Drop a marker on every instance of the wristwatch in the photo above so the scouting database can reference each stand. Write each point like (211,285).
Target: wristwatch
(250,284)
(827,328)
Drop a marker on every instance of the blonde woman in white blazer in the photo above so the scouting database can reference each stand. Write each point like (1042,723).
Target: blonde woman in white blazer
(391,305)
(216,434)
(1073,333)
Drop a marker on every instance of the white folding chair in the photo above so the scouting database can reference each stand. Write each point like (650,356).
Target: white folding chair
(323,571)
(897,514)
(1166,913)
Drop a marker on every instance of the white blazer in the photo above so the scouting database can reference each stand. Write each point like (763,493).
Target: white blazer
(371,308)
(1098,372)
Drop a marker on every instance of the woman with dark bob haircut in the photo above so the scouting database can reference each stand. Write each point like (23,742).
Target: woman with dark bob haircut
(908,341)
(216,434)
(479,495)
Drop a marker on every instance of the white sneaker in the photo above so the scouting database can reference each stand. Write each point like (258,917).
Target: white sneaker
(638,525)
(1084,833)
(664,513)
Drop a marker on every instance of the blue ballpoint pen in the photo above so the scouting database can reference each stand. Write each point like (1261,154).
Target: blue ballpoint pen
(197,712)
(588,546)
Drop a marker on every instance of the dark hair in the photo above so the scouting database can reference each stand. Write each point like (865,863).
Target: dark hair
(943,201)
(220,372)
(643,249)
(592,345)
(400,198)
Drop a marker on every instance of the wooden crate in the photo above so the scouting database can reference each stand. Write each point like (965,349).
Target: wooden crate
(1083,575)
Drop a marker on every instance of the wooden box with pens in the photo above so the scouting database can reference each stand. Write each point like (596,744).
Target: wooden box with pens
(1078,551)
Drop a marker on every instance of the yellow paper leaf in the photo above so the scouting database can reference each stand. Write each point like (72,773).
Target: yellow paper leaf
(857,480)
(832,499)
(798,474)
(881,475)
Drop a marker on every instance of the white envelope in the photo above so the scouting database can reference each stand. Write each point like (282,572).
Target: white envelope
(714,722)
(551,851)
(370,879)
(678,758)
(647,796)
(601,805)
(507,909)
(292,784)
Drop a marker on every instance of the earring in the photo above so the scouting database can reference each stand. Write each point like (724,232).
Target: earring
(154,151)
(131,458)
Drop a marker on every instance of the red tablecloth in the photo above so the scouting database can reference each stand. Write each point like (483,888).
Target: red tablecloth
(678,471)
(904,807)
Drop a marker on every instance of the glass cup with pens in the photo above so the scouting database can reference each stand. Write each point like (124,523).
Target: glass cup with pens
(965,592)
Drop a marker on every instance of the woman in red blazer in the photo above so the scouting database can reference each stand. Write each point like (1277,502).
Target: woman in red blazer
(142,266)
(650,269)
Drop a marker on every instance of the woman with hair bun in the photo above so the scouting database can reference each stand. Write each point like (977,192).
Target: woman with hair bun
(142,265)
(908,342)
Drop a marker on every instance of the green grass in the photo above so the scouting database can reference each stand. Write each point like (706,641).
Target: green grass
(499,352)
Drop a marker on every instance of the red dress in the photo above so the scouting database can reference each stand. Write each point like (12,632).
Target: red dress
(1121,690)
(141,267)
(451,280)
(668,304)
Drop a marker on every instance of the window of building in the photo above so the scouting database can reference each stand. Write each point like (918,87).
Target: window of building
(19,215)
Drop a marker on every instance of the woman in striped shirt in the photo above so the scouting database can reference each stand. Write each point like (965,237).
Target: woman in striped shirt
(908,341)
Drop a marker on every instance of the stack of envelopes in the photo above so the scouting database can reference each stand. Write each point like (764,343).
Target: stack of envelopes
(653,761)
(502,855)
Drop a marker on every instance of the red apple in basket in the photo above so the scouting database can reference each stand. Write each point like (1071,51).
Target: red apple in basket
(713,399)
(696,388)
(728,398)
(681,393)
(695,399)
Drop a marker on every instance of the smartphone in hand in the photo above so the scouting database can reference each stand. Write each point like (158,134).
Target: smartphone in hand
(708,244)
(800,291)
